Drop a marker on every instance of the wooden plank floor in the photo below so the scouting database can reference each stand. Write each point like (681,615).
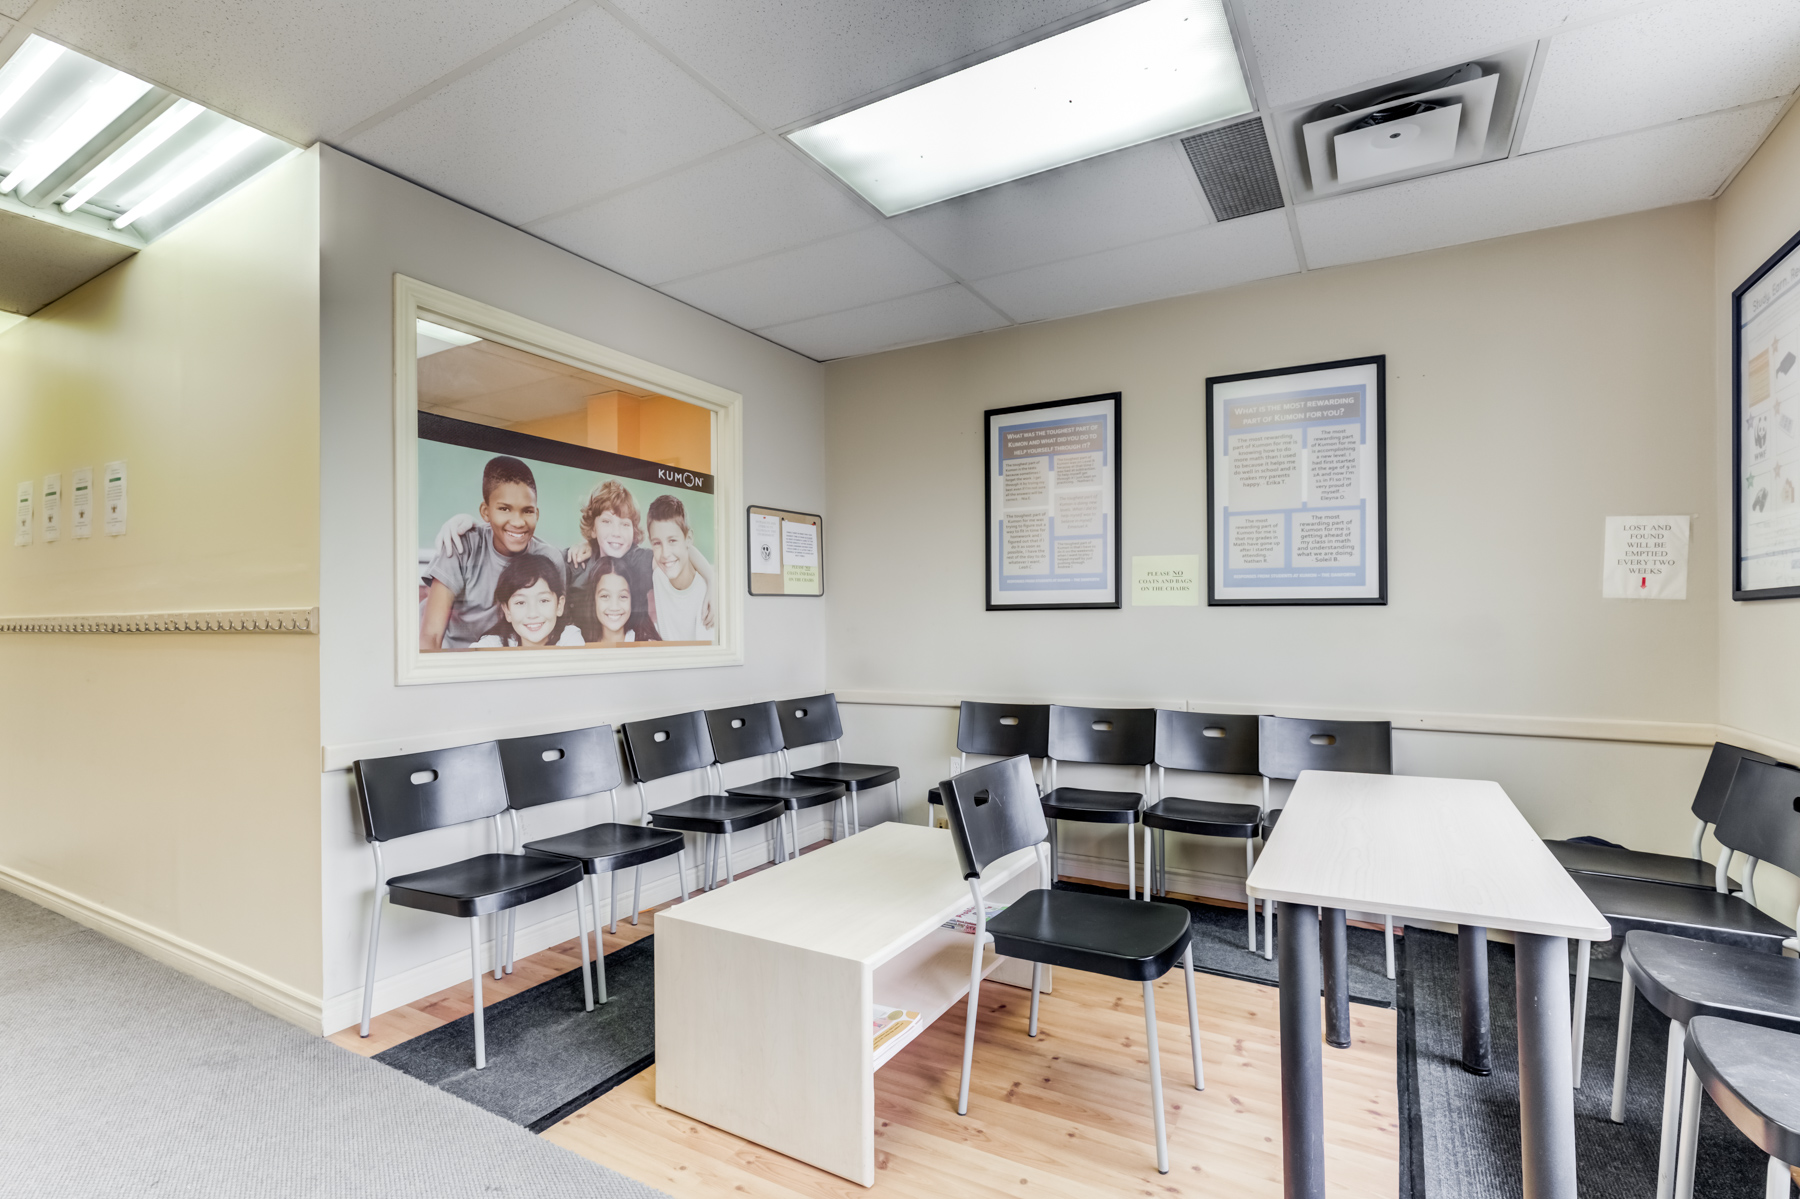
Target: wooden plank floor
(1066,1115)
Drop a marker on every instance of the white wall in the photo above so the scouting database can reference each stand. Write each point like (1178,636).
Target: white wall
(374,226)
(1535,385)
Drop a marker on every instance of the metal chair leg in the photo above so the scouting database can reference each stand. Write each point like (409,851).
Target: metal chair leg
(962,1096)
(1156,1096)
(1037,979)
(499,946)
(1578,1034)
(1131,862)
(681,874)
(1268,931)
(728,875)
(1779,1180)
(1671,1123)
(1250,906)
(612,900)
(369,974)
(512,937)
(1387,928)
(587,979)
(1690,1133)
(855,816)
(599,945)
(475,973)
(1187,963)
(637,893)
(1622,1054)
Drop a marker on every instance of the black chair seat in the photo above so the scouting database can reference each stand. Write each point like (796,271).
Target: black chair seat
(610,846)
(478,886)
(1103,934)
(717,813)
(1617,862)
(1683,978)
(1268,823)
(1753,1074)
(1629,904)
(797,793)
(855,776)
(1204,817)
(1092,807)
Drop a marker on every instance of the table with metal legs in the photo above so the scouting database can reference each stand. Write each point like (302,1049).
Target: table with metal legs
(1450,851)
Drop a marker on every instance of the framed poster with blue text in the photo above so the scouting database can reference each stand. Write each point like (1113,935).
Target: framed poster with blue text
(1765,452)
(1051,478)
(1296,485)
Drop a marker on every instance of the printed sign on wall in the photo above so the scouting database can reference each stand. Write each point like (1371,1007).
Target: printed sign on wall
(1646,558)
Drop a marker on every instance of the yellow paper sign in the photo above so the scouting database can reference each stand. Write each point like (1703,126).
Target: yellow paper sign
(1165,580)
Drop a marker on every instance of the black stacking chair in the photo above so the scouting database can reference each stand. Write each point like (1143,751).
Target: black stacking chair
(1101,737)
(679,744)
(1718,956)
(1692,871)
(1286,746)
(1205,743)
(997,731)
(557,766)
(414,793)
(994,811)
(1753,1074)
(754,731)
(813,721)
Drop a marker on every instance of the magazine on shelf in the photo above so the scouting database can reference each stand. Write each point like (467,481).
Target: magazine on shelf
(964,921)
(893,1027)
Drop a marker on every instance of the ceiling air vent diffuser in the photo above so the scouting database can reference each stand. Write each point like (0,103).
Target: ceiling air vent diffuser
(1235,169)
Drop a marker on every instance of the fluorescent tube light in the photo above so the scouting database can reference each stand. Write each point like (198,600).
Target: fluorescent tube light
(96,113)
(229,147)
(1145,72)
(29,65)
(445,334)
(165,126)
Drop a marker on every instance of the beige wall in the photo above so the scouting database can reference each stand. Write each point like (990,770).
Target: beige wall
(160,785)
(1759,640)
(1536,384)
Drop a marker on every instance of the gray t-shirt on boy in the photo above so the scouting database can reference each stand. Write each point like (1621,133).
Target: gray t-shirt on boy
(471,576)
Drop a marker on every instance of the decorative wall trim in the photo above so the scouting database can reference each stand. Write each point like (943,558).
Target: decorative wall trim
(254,987)
(247,620)
(1646,732)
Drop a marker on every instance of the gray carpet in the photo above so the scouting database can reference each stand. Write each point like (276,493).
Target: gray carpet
(547,1056)
(122,1077)
(1460,1132)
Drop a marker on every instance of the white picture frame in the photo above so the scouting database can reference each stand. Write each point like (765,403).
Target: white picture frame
(414,299)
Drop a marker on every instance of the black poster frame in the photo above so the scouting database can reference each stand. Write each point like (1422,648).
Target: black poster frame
(1738,590)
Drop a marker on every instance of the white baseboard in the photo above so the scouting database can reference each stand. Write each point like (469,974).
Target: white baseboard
(254,987)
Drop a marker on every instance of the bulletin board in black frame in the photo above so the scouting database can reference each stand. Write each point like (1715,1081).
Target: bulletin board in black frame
(1051,487)
(787,551)
(1765,444)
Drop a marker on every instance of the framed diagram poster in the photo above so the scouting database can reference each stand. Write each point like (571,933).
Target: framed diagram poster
(1296,485)
(1765,453)
(1051,478)
(787,552)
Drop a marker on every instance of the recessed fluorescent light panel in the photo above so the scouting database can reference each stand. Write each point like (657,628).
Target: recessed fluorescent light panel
(1129,77)
(88,147)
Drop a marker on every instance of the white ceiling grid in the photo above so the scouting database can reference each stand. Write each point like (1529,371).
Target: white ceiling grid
(644,135)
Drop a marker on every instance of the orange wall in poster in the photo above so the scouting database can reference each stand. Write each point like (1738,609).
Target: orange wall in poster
(654,428)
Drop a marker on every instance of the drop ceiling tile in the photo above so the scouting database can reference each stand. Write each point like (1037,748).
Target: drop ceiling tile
(1128,196)
(929,316)
(1671,164)
(840,272)
(14,9)
(1252,247)
(788,59)
(1307,48)
(755,200)
(1663,64)
(306,70)
(583,110)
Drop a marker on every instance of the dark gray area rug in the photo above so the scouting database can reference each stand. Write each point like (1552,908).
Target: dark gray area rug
(546,1056)
(1221,947)
(1460,1132)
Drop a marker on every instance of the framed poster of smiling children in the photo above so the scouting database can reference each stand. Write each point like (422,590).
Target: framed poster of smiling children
(562,508)
(1051,476)
(1296,485)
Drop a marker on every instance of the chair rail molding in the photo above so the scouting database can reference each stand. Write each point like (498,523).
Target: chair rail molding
(239,620)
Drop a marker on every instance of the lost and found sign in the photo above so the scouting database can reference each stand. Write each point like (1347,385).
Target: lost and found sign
(1646,558)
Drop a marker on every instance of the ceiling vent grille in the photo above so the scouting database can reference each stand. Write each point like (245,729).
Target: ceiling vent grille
(1235,169)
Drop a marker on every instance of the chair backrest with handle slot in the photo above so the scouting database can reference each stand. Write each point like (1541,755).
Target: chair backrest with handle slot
(1761,814)
(1210,742)
(1715,783)
(747,731)
(1003,730)
(668,745)
(1103,736)
(1287,745)
(809,721)
(413,793)
(993,811)
(556,766)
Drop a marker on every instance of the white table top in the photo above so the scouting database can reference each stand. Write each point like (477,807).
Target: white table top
(1451,850)
(865,898)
